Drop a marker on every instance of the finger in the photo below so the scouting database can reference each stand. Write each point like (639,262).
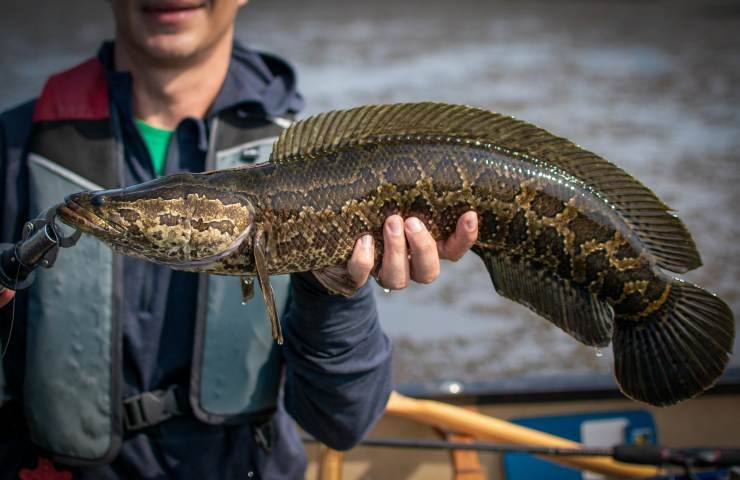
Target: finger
(424,256)
(466,233)
(362,261)
(394,272)
(6,295)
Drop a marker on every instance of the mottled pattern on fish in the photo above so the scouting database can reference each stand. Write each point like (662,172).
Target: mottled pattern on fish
(522,214)
(211,232)
(562,231)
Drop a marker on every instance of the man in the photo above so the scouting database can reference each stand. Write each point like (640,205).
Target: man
(117,368)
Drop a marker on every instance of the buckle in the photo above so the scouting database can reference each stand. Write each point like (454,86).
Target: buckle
(150,408)
(250,155)
(263,433)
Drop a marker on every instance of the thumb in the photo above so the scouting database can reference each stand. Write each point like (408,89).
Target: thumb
(6,295)
(362,261)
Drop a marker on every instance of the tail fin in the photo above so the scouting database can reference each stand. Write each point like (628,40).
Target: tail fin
(678,351)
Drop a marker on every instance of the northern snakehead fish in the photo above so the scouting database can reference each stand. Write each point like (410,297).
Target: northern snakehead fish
(561,230)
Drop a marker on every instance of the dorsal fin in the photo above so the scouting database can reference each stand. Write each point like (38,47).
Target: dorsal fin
(662,233)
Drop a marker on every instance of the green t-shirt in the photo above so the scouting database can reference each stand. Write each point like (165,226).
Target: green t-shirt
(156,140)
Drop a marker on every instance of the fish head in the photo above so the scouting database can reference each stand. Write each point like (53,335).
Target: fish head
(178,220)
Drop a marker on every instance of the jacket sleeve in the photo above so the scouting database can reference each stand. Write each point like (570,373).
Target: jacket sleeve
(15,128)
(338,375)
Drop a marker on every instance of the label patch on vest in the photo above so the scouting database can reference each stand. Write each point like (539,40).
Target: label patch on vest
(44,470)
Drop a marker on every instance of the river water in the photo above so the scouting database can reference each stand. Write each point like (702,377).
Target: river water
(651,85)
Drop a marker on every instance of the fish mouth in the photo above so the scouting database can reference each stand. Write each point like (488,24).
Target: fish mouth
(81,218)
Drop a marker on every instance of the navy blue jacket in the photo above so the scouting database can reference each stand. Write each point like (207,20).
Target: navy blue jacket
(337,358)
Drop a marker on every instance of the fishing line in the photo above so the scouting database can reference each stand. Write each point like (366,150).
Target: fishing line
(38,247)
(12,313)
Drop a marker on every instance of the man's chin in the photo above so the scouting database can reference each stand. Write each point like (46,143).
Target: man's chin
(172,47)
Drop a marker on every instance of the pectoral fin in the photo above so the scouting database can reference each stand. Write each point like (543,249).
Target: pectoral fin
(263,277)
(336,280)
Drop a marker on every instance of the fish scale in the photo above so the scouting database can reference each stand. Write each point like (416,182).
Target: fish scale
(561,230)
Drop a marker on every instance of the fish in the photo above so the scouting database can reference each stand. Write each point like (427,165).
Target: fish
(561,230)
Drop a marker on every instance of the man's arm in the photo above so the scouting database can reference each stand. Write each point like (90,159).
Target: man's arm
(338,362)
(338,358)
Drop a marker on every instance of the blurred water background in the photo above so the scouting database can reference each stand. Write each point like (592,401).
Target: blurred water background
(653,85)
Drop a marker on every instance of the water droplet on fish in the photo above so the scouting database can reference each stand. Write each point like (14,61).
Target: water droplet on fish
(598,352)
(387,290)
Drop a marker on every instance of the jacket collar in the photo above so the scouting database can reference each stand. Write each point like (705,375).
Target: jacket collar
(258,84)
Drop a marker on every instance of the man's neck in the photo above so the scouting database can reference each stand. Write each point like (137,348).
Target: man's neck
(163,94)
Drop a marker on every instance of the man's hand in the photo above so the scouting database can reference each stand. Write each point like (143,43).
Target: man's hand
(410,252)
(6,295)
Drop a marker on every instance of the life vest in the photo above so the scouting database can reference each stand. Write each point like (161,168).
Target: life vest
(72,389)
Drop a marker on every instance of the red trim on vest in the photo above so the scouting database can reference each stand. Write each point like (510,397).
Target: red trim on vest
(80,93)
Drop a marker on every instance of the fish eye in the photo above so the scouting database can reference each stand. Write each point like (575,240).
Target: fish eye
(97,200)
